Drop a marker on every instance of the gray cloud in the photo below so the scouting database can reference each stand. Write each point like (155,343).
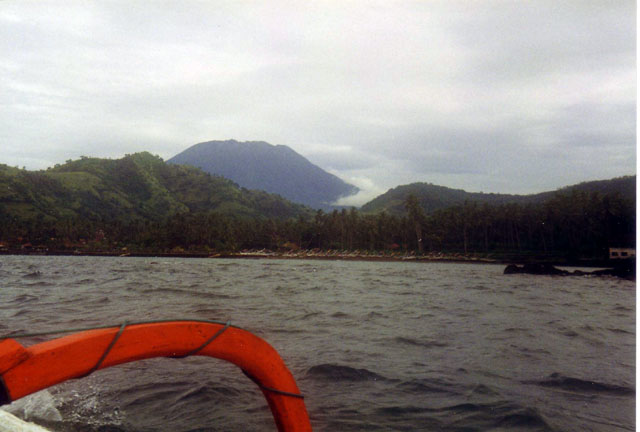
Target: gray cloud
(499,96)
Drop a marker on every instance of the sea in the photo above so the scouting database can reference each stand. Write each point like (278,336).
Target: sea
(373,346)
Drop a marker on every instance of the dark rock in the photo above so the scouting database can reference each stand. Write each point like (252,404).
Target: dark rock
(512,269)
(625,270)
(621,271)
(536,269)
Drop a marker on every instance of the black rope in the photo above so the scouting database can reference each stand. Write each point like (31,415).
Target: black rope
(117,336)
(271,389)
(106,352)
(75,330)
(207,342)
(125,324)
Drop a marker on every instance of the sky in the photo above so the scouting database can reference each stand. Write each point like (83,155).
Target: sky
(493,96)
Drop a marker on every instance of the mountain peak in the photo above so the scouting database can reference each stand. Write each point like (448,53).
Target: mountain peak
(272,168)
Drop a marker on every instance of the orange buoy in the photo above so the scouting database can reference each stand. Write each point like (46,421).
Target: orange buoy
(25,370)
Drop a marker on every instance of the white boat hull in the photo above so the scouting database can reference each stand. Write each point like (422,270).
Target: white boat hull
(11,423)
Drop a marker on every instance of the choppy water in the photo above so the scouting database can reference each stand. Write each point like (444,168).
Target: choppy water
(374,346)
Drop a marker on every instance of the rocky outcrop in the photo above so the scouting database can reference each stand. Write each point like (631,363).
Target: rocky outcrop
(536,269)
(625,270)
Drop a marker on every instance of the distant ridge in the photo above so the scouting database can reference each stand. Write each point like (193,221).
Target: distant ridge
(433,197)
(273,168)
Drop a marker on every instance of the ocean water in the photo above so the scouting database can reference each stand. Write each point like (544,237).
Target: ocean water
(374,346)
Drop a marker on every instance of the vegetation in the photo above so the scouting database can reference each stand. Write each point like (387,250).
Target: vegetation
(116,203)
(432,197)
(141,204)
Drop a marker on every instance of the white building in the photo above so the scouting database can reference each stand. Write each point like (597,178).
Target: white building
(621,253)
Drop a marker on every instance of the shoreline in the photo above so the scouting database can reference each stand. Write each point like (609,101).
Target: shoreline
(330,255)
(306,255)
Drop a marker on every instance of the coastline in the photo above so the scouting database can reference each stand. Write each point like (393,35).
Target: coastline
(330,255)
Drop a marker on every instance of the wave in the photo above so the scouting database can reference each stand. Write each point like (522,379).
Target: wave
(471,416)
(419,343)
(618,330)
(306,316)
(21,312)
(373,315)
(333,340)
(403,410)
(83,282)
(425,386)
(84,427)
(481,389)
(206,311)
(25,298)
(186,292)
(561,382)
(205,394)
(286,330)
(333,372)
(479,287)
(516,330)
(524,418)
(497,415)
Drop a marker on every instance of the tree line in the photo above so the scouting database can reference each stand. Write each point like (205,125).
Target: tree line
(571,225)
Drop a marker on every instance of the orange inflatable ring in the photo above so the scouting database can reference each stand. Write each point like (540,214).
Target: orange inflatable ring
(25,370)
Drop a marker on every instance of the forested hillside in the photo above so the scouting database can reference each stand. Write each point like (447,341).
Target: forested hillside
(574,222)
(432,197)
(141,204)
(74,201)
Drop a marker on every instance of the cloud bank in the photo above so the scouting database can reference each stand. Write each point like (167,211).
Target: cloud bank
(513,97)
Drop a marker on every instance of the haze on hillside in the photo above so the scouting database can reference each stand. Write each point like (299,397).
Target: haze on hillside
(508,97)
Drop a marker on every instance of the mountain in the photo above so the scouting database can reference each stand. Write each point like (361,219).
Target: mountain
(137,187)
(272,168)
(624,186)
(432,197)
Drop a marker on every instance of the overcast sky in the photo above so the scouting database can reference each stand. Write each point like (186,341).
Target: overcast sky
(493,96)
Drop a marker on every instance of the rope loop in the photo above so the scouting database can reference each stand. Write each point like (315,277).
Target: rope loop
(106,352)
(271,389)
(207,342)
(190,353)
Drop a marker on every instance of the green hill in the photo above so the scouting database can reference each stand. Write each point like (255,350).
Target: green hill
(140,204)
(137,187)
(432,197)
